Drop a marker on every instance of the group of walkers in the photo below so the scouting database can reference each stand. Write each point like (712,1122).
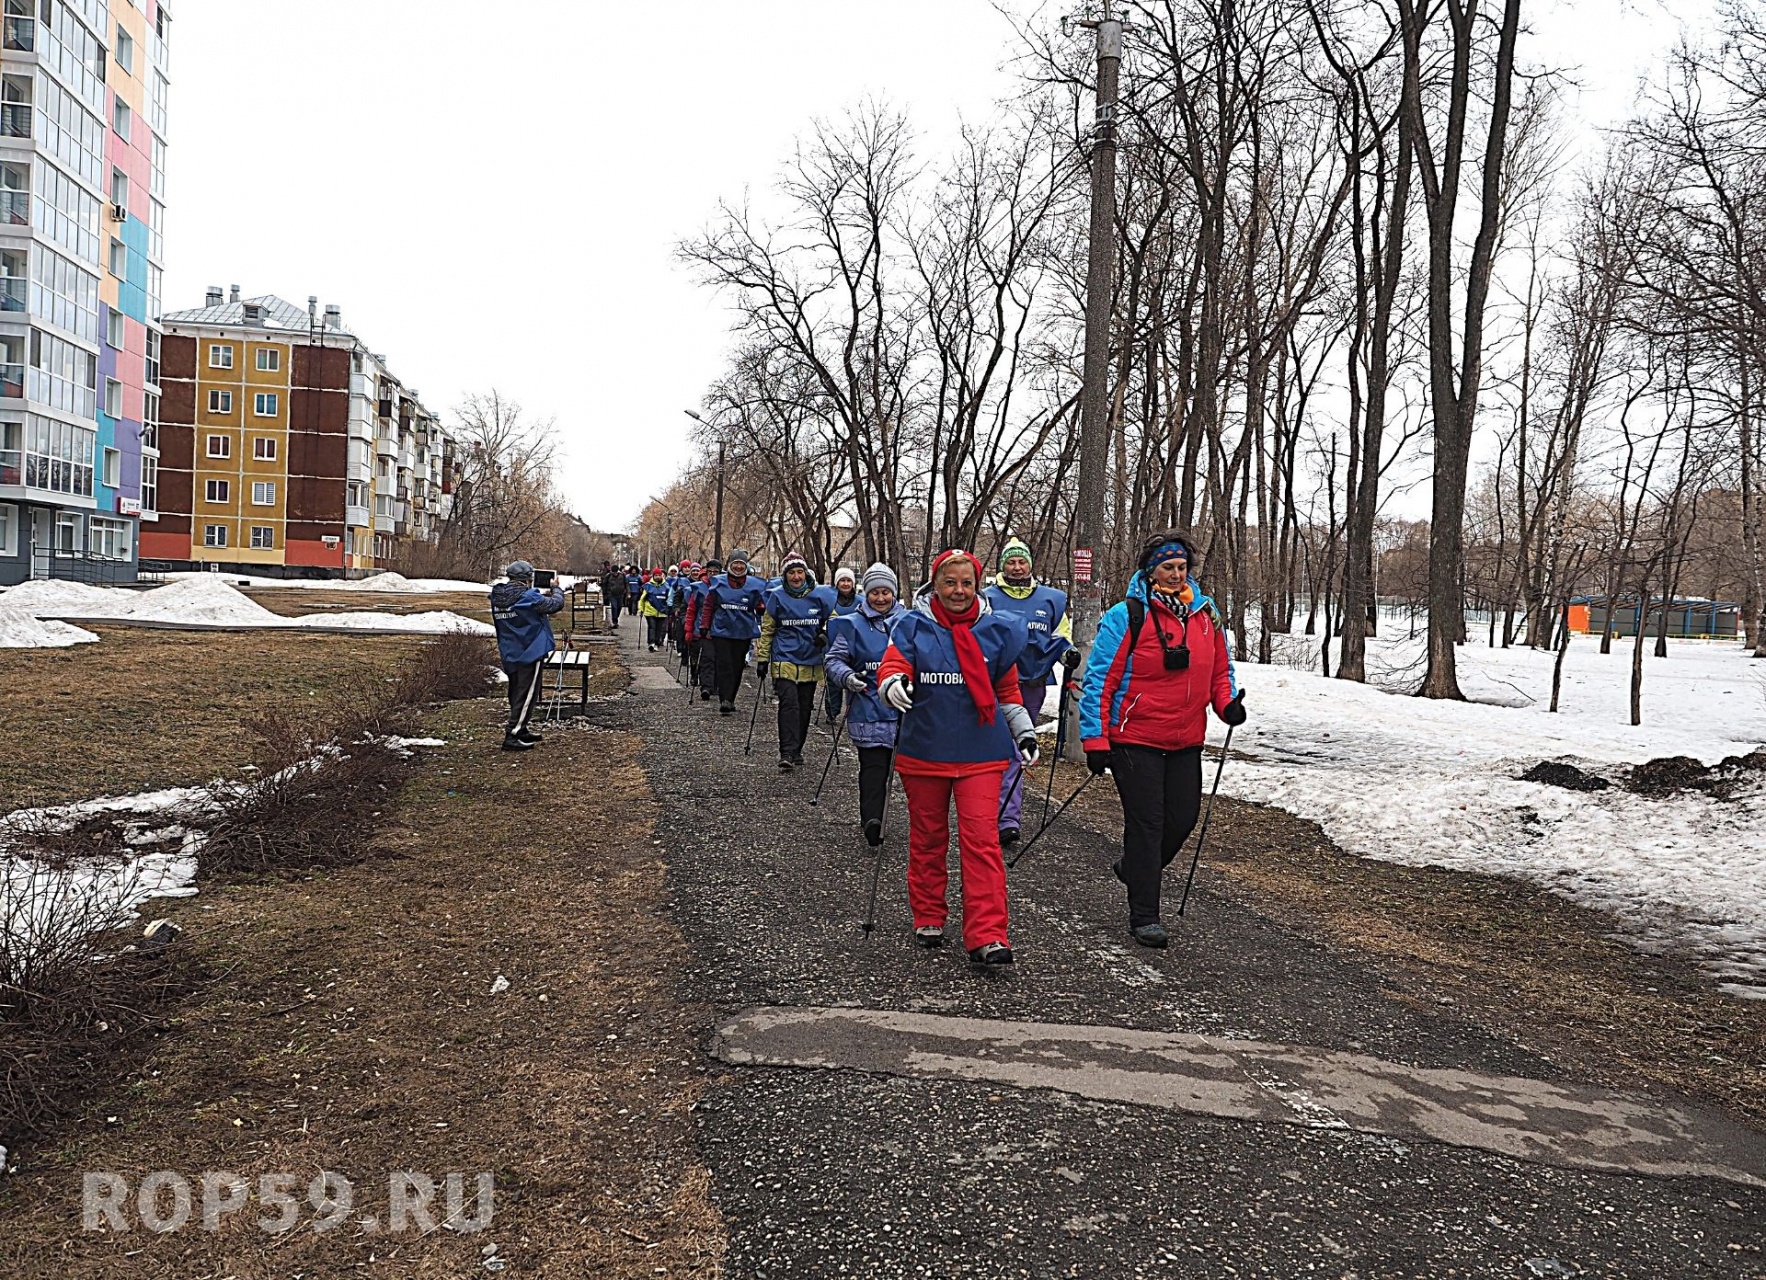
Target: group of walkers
(944,692)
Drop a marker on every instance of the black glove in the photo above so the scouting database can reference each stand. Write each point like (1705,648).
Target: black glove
(1071,659)
(760,670)
(1234,715)
(1097,761)
(822,638)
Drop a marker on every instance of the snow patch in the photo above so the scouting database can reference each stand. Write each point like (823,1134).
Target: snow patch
(21,630)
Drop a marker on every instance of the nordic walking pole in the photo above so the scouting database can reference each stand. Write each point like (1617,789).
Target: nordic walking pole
(759,684)
(1060,741)
(1031,843)
(816,799)
(1207,814)
(877,866)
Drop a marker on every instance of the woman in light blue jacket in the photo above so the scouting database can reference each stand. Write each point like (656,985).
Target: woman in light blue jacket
(857,643)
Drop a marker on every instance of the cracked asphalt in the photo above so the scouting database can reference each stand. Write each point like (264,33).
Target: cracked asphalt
(831,1173)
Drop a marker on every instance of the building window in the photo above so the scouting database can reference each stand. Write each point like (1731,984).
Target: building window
(264,448)
(121,118)
(216,490)
(119,188)
(152,357)
(214,535)
(149,420)
(269,359)
(263,493)
(115,333)
(220,356)
(8,531)
(58,457)
(108,538)
(263,537)
(113,397)
(67,531)
(264,406)
(220,402)
(220,446)
(124,51)
(150,486)
(113,467)
(119,259)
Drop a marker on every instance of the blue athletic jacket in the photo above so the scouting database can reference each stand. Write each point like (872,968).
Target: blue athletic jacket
(942,726)
(856,645)
(1043,612)
(522,617)
(734,612)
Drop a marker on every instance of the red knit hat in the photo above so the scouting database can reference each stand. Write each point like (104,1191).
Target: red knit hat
(953,553)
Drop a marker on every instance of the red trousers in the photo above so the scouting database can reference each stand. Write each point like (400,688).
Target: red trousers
(978,843)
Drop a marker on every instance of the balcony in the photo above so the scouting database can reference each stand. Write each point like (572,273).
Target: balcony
(15,120)
(14,293)
(12,381)
(21,35)
(383,524)
(385,447)
(15,208)
(356,517)
(11,471)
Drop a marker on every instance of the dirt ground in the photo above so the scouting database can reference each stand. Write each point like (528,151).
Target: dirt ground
(1522,962)
(350,1026)
(145,708)
(292,601)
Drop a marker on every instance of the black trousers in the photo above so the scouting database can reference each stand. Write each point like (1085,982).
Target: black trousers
(706,657)
(524,693)
(797,706)
(833,698)
(655,629)
(1161,798)
(873,782)
(732,660)
(615,604)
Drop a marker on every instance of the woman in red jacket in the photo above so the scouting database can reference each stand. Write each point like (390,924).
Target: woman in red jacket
(1160,660)
(951,671)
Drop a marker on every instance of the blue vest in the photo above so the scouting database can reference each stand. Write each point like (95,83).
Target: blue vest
(798,619)
(1041,612)
(943,725)
(867,641)
(657,594)
(735,611)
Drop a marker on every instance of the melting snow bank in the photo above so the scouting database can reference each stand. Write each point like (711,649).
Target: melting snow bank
(1429,783)
(386,582)
(21,630)
(205,600)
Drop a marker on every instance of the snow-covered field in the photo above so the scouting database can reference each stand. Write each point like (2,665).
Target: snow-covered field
(1435,783)
(197,600)
(385,582)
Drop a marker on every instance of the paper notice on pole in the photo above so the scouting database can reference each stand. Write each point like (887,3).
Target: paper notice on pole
(1082,564)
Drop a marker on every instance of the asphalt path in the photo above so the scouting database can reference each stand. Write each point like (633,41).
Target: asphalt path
(835,1170)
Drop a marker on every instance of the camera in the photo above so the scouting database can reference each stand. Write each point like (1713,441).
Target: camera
(545,579)
(1178,659)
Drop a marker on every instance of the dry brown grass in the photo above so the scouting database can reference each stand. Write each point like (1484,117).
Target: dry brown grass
(355,1032)
(291,602)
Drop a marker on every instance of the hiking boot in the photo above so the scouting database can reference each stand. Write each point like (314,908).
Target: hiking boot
(1008,837)
(874,832)
(991,953)
(513,743)
(1116,867)
(726,708)
(704,696)
(929,936)
(1149,935)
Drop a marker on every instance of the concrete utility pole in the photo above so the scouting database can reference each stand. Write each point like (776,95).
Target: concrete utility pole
(1086,605)
(717,533)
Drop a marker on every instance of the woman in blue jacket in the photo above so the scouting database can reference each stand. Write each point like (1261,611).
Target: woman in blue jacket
(729,616)
(859,641)
(653,604)
(793,637)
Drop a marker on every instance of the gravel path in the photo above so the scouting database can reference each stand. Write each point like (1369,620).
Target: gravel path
(848,1173)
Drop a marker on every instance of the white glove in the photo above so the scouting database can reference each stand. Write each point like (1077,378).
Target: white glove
(854,683)
(1027,751)
(898,692)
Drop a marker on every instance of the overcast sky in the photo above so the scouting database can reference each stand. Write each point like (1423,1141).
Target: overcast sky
(492,192)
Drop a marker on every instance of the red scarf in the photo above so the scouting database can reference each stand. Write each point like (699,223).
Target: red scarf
(969,657)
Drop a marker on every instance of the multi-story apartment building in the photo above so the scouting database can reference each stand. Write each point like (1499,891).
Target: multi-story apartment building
(288,447)
(83,91)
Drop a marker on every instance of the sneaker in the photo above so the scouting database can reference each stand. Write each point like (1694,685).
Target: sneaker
(726,708)
(704,696)
(785,764)
(512,743)
(529,736)
(651,647)
(991,953)
(1149,935)
(1008,837)
(797,761)
(929,936)
(1116,867)
(874,832)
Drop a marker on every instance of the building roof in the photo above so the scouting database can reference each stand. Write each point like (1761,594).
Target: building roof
(278,313)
